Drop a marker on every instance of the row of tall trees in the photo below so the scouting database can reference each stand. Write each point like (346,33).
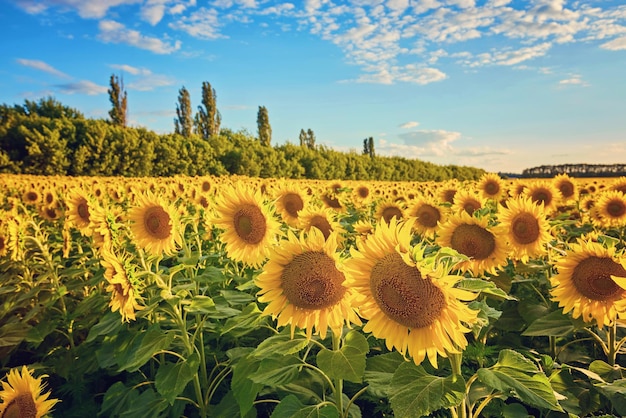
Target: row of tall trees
(46,137)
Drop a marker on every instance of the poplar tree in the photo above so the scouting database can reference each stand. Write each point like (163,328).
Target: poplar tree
(208,119)
(183,124)
(370,147)
(303,138)
(264,127)
(310,138)
(118,98)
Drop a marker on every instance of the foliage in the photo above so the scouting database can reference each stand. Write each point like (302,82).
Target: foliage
(183,124)
(208,119)
(264,127)
(119,101)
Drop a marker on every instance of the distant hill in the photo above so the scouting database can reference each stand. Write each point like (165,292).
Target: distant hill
(577,170)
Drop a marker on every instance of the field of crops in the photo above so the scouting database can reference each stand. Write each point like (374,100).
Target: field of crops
(235,296)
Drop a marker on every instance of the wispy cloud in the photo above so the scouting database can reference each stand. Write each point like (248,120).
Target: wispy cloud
(574,79)
(616,44)
(143,79)
(82,87)
(203,23)
(115,32)
(86,9)
(409,125)
(42,66)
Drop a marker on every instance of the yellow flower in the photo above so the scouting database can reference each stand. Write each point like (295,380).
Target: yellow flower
(289,203)
(249,226)
(428,216)
(567,187)
(119,278)
(609,209)
(485,246)
(304,285)
(387,210)
(78,210)
(584,283)
(491,186)
(155,225)
(468,200)
(22,396)
(324,219)
(543,192)
(526,227)
(411,304)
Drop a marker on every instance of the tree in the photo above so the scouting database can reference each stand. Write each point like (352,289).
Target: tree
(264,127)
(310,138)
(208,118)
(303,138)
(118,98)
(183,124)
(368,147)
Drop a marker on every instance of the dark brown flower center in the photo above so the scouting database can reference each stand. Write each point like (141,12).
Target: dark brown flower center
(389,212)
(206,186)
(616,208)
(49,198)
(312,281)
(331,201)
(471,205)
(592,278)
(525,228)
(293,204)
(492,188)
(473,241)
(566,188)
(448,195)
(321,223)
(541,195)
(23,406)
(83,210)
(363,192)
(32,197)
(428,215)
(403,295)
(157,222)
(250,224)
(3,244)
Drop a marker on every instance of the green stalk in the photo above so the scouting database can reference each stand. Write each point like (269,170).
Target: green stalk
(612,347)
(338,390)
(455,364)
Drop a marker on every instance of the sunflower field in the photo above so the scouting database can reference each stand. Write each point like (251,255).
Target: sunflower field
(230,296)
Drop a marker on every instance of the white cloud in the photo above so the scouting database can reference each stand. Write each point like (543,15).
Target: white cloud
(85,9)
(115,32)
(143,79)
(616,44)
(409,125)
(42,66)
(82,87)
(575,79)
(203,23)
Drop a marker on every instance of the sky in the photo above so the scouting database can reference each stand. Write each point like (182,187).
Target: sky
(499,85)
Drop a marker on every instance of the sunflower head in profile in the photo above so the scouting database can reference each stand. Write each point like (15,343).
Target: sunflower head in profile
(387,209)
(155,225)
(304,285)
(619,184)
(484,245)
(526,227)
(361,194)
(324,219)
(428,215)
(609,209)
(22,395)
(491,186)
(566,186)
(32,196)
(543,192)
(249,227)
(585,285)
(4,244)
(79,206)
(468,200)
(121,283)
(448,191)
(290,201)
(408,302)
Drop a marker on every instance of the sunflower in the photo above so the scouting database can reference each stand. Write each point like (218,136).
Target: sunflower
(4,247)
(305,286)
(619,184)
(22,395)
(50,212)
(485,246)
(361,195)
(584,283)
(31,196)
(248,223)
(448,190)
(289,203)
(526,226)
(428,215)
(543,191)
(491,186)
(387,210)
(155,225)
(565,184)
(324,219)
(78,210)
(363,229)
(411,304)
(468,200)
(121,284)
(610,209)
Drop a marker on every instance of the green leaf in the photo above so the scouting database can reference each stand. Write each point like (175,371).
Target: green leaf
(147,405)
(116,398)
(348,362)
(416,393)
(236,298)
(281,344)
(379,372)
(109,324)
(277,370)
(555,324)
(291,407)
(616,394)
(244,389)
(484,286)
(171,379)
(515,410)
(143,347)
(605,370)
(515,375)
(200,304)
(243,323)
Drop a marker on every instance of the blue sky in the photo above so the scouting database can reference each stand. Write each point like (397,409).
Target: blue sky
(501,85)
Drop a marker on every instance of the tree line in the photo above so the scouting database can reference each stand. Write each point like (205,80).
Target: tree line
(49,138)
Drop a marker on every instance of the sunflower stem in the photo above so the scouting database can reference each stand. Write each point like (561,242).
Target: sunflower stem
(552,340)
(455,364)
(611,344)
(338,382)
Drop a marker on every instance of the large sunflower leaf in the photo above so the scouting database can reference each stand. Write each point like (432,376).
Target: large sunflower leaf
(515,375)
(244,389)
(280,344)
(348,362)
(616,393)
(171,379)
(415,393)
(291,407)
(379,372)
(277,370)
(143,347)
(484,286)
(554,324)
